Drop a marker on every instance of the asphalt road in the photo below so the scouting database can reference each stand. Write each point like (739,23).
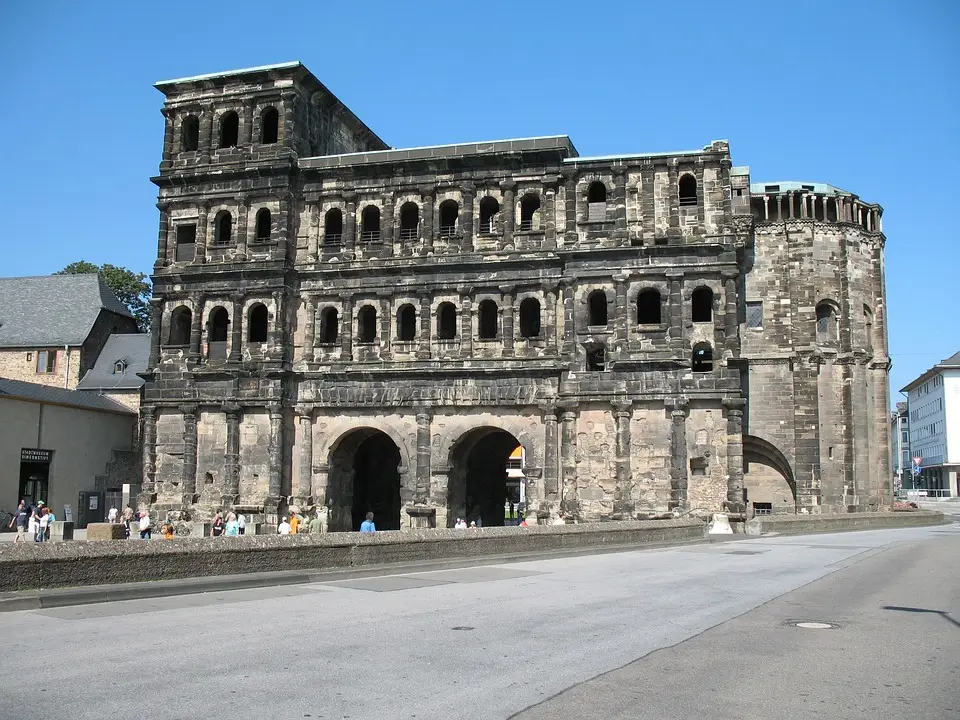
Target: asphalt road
(696,631)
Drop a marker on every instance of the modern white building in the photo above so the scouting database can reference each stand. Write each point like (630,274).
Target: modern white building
(933,402)
(900,460)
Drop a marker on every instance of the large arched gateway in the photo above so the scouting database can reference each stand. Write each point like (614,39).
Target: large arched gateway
(364,477)
(478,487)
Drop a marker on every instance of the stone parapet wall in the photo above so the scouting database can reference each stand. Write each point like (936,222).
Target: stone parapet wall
(802,524)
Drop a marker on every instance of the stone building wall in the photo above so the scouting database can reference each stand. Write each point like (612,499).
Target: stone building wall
(21,364)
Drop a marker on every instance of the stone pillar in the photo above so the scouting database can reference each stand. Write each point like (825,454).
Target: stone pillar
(673,205)
(548,212)
(621,315)
(313,234)
(422,488)
(206,132)
(349,224)
(675,310)
(570,208)
(647,199)
(734,408)
(236,329)
(231,458)
(386,226)
(550,318)
(304,491)
(426,199)
(803,207)
(551,465)
(466,219)
(423,353)
(196,327)
(309,327)
(701,198)
(246,132)
(570,501)
(149,449)
(386,326)
(466,322)
(163,235)
(167,162)
(678,454)
(203,233)
(346,330)
(243,227)
(275,450)
(793,210)
(188,481)
(731,327)
(288,131)
(275,333)
(507,325)
(509,211)
(285,224)
(156,328)
(622,499)
(620,209)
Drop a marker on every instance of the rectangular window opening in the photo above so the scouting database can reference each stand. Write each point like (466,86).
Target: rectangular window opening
(762,508)
(755,315)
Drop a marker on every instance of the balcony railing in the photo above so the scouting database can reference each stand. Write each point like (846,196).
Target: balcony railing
(448,231)
(332,238)
(526,226)
(688,201)
(408,233)
(370,236)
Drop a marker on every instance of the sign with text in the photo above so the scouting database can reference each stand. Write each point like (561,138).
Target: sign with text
(35,455)
(68,513)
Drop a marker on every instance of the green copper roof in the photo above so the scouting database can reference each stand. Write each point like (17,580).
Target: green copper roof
(759,188)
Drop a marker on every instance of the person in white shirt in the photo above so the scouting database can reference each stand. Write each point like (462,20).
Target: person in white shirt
(144,526)
(461,524)
(112,515)
(284,527)
(241,524)
(44,526)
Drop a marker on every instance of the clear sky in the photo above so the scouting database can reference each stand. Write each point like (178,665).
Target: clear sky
(862,95)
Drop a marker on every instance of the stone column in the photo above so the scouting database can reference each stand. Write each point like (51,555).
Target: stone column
(793,210)
(673,204)
(149,449)
(236,329)
(466,218)
(570,501)
(309,327)
(622,500)
(509,211)
(386,226)
(701,198)
(188,480)
(466,322)
(620,209)
(621,315)
(167,162)
(275,450)
(275,334)
(569,331)
(386,325)
(196,327)
(346,330)
(551,467)
(243,229)
(647,199)
(731,327)
(426,198)
(231,458)
(203,233)
(156,328)
(246,132)
(288,131)
(163,235)
(423,353)
(507,301)
(422,489)
(305,480)
(550,318)
(734,408)
(349,224)
(313,233)
(570,208)
(678,454)
(548,212)
(675,310)
(285,224)
(206,132)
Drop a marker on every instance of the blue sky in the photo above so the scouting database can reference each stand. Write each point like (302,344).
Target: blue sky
(862,95)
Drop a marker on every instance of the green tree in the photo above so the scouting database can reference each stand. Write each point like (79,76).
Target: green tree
(133,289)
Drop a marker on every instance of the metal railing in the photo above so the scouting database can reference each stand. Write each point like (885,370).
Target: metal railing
(526,226)
(408,233)
(688,201)
(448,231)
(332,238)
(370,236)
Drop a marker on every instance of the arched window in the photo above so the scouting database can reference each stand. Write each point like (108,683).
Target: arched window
(446,321)
(406,323)
(489,207)
(648,307)
(596,202)
(488,320)
(702,302)
(702,357)
(827,332)
(222,228)
(217,334)
(269,126)
(257,324)
(333,227)
(530,317)
(229,130)
(370,224)
(597,307)
(263,226)
(190,134)
(529,212)
(687,188)
(180,321)
(329,325)
(367,324)
(409,221)
(449,214)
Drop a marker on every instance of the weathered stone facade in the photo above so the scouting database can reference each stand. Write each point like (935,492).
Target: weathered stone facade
(345,326)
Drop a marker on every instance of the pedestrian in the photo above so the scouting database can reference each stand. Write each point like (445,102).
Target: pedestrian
(21,519)
(216,529)
(241,524)
(33,524)
(112,515)
(145,529)
(473,524)
(127,521)
(284,527)
(316,525)
(44,525)
(367,525)
(294,522)
(461,524)
(167,530)
(52,519)
(523,522)
(233,527)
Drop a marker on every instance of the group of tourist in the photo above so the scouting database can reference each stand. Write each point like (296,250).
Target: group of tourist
(32,521)
(295,524)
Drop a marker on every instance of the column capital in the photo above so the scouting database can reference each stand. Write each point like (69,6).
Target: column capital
(424,414)
(189,410)
(349,196)
(620,171)
(242,199)
(622,408)
(468,188)
(426,190)
(734,405)
(675,275)
(508,185)
(274,410)
(149,412)
(164,205)
(304,411)
(551,182)
(548,411)
(230,409)
(621,278)
(729,274)
(676,405)
(157,302)
(507,289)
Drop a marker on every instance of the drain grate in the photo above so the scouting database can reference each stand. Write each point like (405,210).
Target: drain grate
(812,625)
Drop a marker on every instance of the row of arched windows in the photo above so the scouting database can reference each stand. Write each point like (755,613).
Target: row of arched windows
(223,227)
(181,320)
(228,135)
(649,307)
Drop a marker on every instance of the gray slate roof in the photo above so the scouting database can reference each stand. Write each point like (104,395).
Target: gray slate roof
(59,396)
(949,363)
(53,310)
(133,350)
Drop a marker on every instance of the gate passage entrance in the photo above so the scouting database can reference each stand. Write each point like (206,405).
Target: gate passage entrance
(483,486)
(364,477)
